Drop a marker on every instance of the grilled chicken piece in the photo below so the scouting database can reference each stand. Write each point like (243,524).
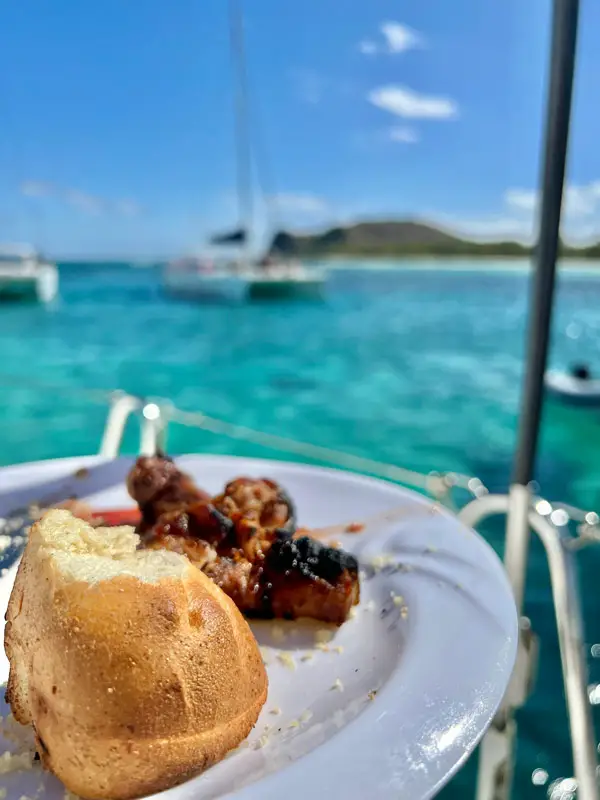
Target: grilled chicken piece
(261,513)
(245,540)
(157,485)
(249,515)
(239,579)
(304,578)
(298,578)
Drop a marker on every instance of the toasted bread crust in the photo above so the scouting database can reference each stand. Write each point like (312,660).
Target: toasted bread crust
(131,686)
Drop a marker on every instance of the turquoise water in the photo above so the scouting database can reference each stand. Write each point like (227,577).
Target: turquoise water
(420,368)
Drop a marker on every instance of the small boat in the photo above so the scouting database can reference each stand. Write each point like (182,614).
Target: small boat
(572,388)
(24,275)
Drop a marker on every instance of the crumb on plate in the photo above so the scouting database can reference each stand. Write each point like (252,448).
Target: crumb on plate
(323,635)
(286,659)
(382,560)
(15,762)
(262,742)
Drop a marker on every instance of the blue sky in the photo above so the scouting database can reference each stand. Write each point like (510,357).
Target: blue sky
(117,129)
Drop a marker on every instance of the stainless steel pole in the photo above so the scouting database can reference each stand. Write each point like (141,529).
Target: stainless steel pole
(562,68)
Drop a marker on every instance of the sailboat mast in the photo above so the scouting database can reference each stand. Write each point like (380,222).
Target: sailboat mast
(242,133)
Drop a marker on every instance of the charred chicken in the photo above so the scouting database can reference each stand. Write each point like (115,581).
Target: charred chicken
(246,540)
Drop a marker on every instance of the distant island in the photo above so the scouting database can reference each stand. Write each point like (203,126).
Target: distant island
(396,239)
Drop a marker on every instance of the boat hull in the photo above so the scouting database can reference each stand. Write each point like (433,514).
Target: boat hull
(285,289)
(40,286)
(573,391)
(243,285)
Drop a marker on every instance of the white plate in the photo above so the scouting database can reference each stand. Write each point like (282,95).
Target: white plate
(439,668)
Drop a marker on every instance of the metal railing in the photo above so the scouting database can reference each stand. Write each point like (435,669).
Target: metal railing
(497,753)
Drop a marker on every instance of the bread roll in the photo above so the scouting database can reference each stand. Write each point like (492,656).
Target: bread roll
(135,670)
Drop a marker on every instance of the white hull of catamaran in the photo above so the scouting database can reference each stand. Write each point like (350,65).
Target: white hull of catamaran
(37,283)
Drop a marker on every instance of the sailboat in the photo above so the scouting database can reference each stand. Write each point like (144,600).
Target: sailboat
(242,276)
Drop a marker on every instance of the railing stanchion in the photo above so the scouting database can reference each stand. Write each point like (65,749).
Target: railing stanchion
(497,757)
(121,407)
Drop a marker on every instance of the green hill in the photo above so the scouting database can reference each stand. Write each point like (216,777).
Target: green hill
(400,238)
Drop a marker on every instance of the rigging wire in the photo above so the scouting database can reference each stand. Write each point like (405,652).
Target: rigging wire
(242,136)
(251,141)
(295,447)
(264,171)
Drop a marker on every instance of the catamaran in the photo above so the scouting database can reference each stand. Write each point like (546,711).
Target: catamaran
(243,276)
(24,275)
(202,278)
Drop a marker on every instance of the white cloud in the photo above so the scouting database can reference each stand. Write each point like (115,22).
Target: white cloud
(403,134)
(521,199)
(580,222)
(487,228)
(367,47)
(300,203)
(581,201)
(399,38)
(578,201)
(404,102)
(36,189)
(395,38)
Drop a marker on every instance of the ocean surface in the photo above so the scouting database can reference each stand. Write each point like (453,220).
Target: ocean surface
(417,367)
